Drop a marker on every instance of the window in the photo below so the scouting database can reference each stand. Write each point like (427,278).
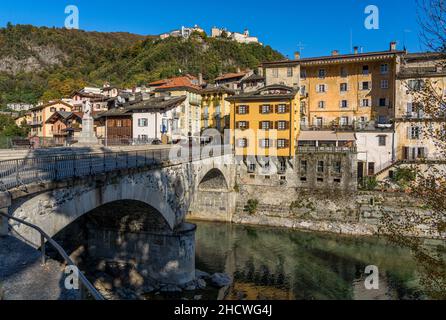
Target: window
(264,143)
(337,166)
(320,166)
(303,73)
(289,72)
(382,119)
(62,109)
(344,104)
(319,121)
(365,70)
(382,141)
(275,73)
(52,109)
(384,84)
(322,73)
(416,85)
(303,90)
(303,166)
(344,72)
(365,85)
(321,104)
(421,153)
(382,102)
(371,168)
(242,143)
(384,68)
(344,121)
(143,122)
(243,125)
(252,167)
(119,123)
(282,125)
(343,87)
(265,125)
(265,109)
(365,103)
(282,108)
(321,88)
(282,143)
(242,109)
(414,133)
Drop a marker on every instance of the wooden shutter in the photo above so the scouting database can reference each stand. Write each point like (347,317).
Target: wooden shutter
(277,108)
(276,125)
(260,109)
(271,125)
(237,125)
(288,108)
(247,124)
(260,125)
(287,143)
(247,109)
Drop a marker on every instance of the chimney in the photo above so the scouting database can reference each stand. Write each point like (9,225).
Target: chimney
(393,46)
(355,50)
(335,53)
(200,79)
(296,55)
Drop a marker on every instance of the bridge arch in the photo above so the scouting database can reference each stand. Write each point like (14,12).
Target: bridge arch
(56,209)
(214,179)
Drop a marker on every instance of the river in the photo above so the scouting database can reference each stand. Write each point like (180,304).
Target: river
(274,263)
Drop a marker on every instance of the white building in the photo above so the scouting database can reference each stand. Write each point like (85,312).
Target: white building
(157,118)
(19,106)
(375,151)
(236,36)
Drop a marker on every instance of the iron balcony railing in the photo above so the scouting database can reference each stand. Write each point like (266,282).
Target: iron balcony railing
(43,236)
(20,172)
(331,149)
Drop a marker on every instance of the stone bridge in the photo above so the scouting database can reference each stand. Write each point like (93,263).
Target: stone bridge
(54,192)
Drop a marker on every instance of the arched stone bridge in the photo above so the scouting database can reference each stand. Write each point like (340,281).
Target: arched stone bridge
(170,188)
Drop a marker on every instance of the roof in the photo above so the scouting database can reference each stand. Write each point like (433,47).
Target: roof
(158,103)
(217,89)
(254,77)
(184,82)
(272,92)
(49,104)
(64,115)
(336,58)
(326,136)
(232,75)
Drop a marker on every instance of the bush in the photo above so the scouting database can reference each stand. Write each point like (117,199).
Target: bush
(370,183)
(251,206)
(404,176)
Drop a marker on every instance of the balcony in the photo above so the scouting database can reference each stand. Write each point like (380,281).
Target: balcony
(217,114)
(331,149)
(205,116)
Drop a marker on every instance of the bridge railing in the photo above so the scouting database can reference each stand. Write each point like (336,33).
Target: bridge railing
(20,172)
(43,236)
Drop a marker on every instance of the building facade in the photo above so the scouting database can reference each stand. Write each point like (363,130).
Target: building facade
(40,115)
(215,109)
(416,140)
(265,123)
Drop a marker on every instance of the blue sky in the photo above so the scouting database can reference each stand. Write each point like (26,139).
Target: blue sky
(321,26)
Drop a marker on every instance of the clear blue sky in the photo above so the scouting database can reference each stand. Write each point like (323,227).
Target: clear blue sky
(321,26)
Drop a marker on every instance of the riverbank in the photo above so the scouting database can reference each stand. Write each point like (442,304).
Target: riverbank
(358,213)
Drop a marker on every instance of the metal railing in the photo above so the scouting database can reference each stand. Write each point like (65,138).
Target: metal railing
(333,149)
(83,279)
(20,172)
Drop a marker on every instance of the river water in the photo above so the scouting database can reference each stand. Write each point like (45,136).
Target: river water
(274,263)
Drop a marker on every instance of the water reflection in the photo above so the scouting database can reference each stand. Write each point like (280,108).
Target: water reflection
(271,263)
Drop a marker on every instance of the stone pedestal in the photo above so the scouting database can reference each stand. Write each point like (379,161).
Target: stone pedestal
(88,137)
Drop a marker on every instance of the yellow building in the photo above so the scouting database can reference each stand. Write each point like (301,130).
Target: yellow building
(24,119)
(413,125)
(349,90)
(265,122)
(215,110)
(40,115)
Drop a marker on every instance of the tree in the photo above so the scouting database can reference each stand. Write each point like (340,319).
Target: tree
(428,182)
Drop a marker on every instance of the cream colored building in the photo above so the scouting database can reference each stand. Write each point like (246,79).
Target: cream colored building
(413,127)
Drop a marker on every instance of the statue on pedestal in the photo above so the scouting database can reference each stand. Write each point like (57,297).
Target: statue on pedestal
(88,136)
